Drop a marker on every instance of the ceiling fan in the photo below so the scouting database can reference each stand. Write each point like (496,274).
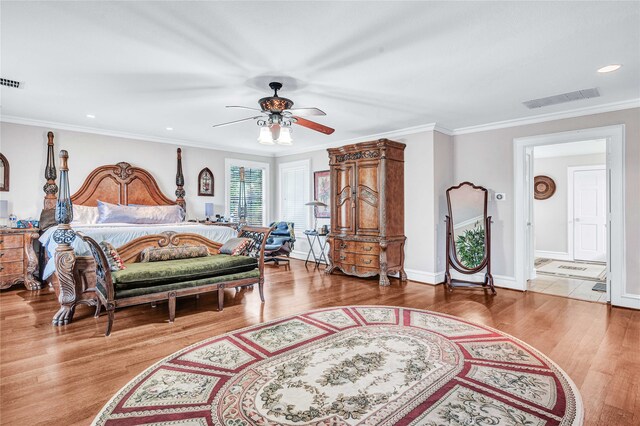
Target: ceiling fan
(276,117)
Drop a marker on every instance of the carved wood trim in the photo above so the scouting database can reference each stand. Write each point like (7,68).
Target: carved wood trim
(119,179)
(130,252)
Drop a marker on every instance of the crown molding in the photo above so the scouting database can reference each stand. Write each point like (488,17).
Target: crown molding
(126,135)
(431,127)
(598,109)
(391,134)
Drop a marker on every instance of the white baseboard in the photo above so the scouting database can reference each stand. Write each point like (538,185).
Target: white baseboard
(557,255)
(424,276)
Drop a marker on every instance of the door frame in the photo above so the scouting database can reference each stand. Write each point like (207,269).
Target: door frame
(570,212)
(523,198)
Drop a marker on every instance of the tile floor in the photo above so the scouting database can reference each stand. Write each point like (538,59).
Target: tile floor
(567,287)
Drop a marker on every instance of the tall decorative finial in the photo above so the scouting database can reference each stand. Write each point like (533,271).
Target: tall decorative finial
(50,188)
(64,207)
(180,192)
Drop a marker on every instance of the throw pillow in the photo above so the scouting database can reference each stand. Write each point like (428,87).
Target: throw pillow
(159,254)
(236,246)
(110,252)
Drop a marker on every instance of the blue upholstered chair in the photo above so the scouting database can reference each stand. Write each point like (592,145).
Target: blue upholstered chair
(280,242)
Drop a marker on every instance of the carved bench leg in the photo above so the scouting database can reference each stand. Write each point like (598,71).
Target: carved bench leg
(172,306)
(221,297)
(111,314)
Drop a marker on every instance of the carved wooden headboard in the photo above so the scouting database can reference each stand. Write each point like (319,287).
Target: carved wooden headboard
(119,183)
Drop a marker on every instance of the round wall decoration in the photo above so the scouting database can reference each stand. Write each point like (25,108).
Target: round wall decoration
(544,187)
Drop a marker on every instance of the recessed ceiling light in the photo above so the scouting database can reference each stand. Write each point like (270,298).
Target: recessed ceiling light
(169,128)
(609,68)
(91,116)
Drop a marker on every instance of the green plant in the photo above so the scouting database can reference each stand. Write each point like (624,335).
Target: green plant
(470,246)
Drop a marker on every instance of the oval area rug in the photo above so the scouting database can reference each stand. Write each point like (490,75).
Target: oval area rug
(357,365)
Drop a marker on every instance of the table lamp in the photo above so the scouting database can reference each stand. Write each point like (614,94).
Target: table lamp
(315,203)
(208,210)
(4,212)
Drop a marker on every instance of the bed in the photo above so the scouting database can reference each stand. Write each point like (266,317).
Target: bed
(69,267)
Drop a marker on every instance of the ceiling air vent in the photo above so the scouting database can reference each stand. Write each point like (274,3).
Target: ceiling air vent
(10,83)
(564,97)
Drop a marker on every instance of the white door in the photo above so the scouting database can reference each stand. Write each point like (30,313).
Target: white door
(590,214)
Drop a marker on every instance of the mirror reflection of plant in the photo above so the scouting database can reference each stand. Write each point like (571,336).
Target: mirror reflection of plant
(470,246)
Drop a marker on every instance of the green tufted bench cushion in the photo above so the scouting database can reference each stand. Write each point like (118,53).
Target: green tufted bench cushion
(141,291)
(154,274)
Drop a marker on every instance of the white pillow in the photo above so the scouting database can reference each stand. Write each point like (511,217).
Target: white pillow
(85,214)
(115,213)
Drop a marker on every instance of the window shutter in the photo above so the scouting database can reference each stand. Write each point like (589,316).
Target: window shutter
(295,193)
(254,191)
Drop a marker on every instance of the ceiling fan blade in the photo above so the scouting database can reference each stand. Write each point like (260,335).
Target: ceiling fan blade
(237,121)
(313,125)
(244,107)
(305,111)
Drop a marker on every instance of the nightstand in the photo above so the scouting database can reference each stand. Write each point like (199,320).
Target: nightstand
(18,260)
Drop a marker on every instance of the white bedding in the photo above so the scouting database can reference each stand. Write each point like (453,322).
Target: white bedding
(119,234)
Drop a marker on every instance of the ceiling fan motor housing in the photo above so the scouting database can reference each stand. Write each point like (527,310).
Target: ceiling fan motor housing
(275,104)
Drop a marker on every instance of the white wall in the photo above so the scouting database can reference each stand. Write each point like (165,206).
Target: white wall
(486,158)
(319,161)
(551,215)
(25,148)
(425,181)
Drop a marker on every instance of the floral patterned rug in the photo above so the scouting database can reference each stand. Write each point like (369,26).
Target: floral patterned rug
(358,365)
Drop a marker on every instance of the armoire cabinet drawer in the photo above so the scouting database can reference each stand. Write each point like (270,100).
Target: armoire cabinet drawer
(344,257)
(357,247)
(367,261)
(370,261)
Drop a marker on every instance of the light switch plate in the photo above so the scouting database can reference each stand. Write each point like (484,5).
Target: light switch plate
(501,196)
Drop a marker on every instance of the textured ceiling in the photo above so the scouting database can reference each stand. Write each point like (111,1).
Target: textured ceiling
(374,67)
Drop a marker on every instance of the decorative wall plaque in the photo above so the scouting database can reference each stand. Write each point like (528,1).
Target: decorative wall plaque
(205,182)
(544,187)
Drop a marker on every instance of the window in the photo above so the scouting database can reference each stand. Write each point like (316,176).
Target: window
(255,188)
(294,193)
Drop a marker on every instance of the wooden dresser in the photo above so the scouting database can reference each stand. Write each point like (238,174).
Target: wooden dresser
(18,260)
(367,209)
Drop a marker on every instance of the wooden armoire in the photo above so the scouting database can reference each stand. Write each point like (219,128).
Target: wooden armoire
(367,209)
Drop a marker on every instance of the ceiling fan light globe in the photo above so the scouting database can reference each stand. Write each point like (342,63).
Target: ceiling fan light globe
(265,137)
(285,137)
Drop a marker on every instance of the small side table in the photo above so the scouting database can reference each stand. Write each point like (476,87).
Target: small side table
(18,260)
(314,238)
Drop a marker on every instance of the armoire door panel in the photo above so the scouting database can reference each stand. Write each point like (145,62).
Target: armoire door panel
(344,202)
(368,204)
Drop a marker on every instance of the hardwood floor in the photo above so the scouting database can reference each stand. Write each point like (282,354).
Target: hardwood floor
(64,375)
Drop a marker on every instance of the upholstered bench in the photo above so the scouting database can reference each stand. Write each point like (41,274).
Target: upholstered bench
(143,282)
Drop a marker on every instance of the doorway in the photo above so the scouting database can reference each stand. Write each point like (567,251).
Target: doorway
(569,220)
(524,241)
